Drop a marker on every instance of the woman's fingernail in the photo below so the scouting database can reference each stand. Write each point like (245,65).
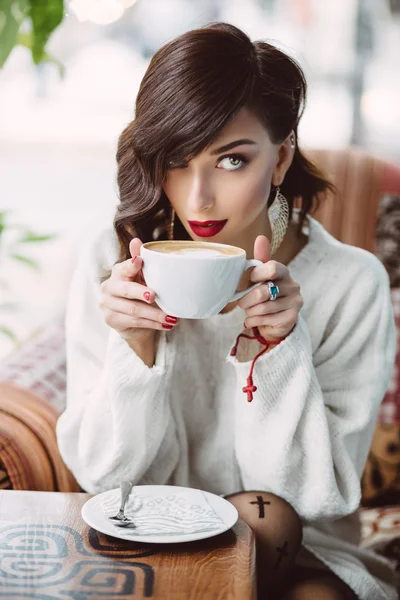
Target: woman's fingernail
(134,258)
(167,326)
(146,296)
(172,320)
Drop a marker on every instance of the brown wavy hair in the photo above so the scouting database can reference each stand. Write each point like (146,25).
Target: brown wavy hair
(193,87)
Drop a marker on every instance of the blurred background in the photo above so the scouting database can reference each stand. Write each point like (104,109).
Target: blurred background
(61,114)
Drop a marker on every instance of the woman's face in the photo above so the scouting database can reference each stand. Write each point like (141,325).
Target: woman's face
(229,183)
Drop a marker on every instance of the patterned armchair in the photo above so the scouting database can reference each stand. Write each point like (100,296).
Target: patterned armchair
(366,213)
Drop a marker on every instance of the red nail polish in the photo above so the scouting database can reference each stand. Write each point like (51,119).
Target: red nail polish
(172,320)
(167,326)
(146,296)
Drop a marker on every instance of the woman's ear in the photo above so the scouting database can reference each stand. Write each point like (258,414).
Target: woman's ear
(284,158)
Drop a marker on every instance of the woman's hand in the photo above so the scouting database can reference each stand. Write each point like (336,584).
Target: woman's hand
(127,304)
(274,319)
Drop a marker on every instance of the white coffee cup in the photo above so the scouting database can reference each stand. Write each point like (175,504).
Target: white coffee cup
(194,280)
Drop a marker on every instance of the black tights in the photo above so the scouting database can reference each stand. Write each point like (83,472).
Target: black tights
(278,532)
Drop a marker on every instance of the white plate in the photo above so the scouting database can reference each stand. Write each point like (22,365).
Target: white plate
(221,514)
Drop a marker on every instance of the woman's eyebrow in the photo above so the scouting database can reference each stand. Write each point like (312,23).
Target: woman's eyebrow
(232,145)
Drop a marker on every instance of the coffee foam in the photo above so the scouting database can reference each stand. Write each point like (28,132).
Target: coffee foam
(183,248)
(198,252)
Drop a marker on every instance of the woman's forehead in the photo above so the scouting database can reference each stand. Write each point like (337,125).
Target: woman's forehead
(244,125)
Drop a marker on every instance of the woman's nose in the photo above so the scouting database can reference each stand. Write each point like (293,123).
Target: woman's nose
(201,196)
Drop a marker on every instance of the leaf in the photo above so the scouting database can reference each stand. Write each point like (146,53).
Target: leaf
(30,236)
(29,262)
(26,40)
(45,15)
(8,333)
(8,30)
(49,58)
(4,226)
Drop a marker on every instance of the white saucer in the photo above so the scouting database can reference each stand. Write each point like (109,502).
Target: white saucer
(222,515)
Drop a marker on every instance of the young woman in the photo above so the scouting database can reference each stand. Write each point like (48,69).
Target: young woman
(213,154)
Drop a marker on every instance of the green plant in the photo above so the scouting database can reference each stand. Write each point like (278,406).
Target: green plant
(16,251)
(29,23)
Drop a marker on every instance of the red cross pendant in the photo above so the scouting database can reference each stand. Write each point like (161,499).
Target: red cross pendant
(249,389)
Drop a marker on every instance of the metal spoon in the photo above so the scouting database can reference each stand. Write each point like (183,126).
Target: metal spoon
(120,519)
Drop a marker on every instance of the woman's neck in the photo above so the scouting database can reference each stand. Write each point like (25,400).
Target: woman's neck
(260,226)
(293,242)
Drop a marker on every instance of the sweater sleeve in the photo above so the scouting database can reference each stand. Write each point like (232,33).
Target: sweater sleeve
(307,433)
(118,423)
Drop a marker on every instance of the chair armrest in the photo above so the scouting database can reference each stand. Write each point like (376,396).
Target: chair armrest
(28,447)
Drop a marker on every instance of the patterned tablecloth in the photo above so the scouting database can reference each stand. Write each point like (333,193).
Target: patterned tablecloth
(381,533)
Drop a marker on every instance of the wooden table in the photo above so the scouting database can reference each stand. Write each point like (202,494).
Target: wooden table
(47,551)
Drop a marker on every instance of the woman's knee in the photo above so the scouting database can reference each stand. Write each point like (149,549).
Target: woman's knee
(278,533)
(259,508)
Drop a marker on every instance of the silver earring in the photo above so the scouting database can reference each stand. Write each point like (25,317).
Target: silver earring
(171,225)
(278,214)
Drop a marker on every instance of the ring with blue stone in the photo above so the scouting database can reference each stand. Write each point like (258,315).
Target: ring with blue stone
(273,290)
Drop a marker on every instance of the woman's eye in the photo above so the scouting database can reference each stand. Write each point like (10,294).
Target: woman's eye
(231,163)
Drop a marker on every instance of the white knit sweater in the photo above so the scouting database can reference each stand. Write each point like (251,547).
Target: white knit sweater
(186,421)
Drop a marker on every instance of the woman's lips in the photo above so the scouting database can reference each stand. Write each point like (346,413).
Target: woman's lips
(207,228)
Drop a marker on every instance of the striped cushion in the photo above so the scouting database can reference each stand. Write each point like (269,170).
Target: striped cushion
(39,365)
(381,533)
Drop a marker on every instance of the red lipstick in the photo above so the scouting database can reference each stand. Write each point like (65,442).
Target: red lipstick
(207,228)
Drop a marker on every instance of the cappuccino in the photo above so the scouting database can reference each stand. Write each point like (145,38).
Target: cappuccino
(194,249)
(194,280)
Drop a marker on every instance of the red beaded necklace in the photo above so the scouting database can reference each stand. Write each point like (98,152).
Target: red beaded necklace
(250,387)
